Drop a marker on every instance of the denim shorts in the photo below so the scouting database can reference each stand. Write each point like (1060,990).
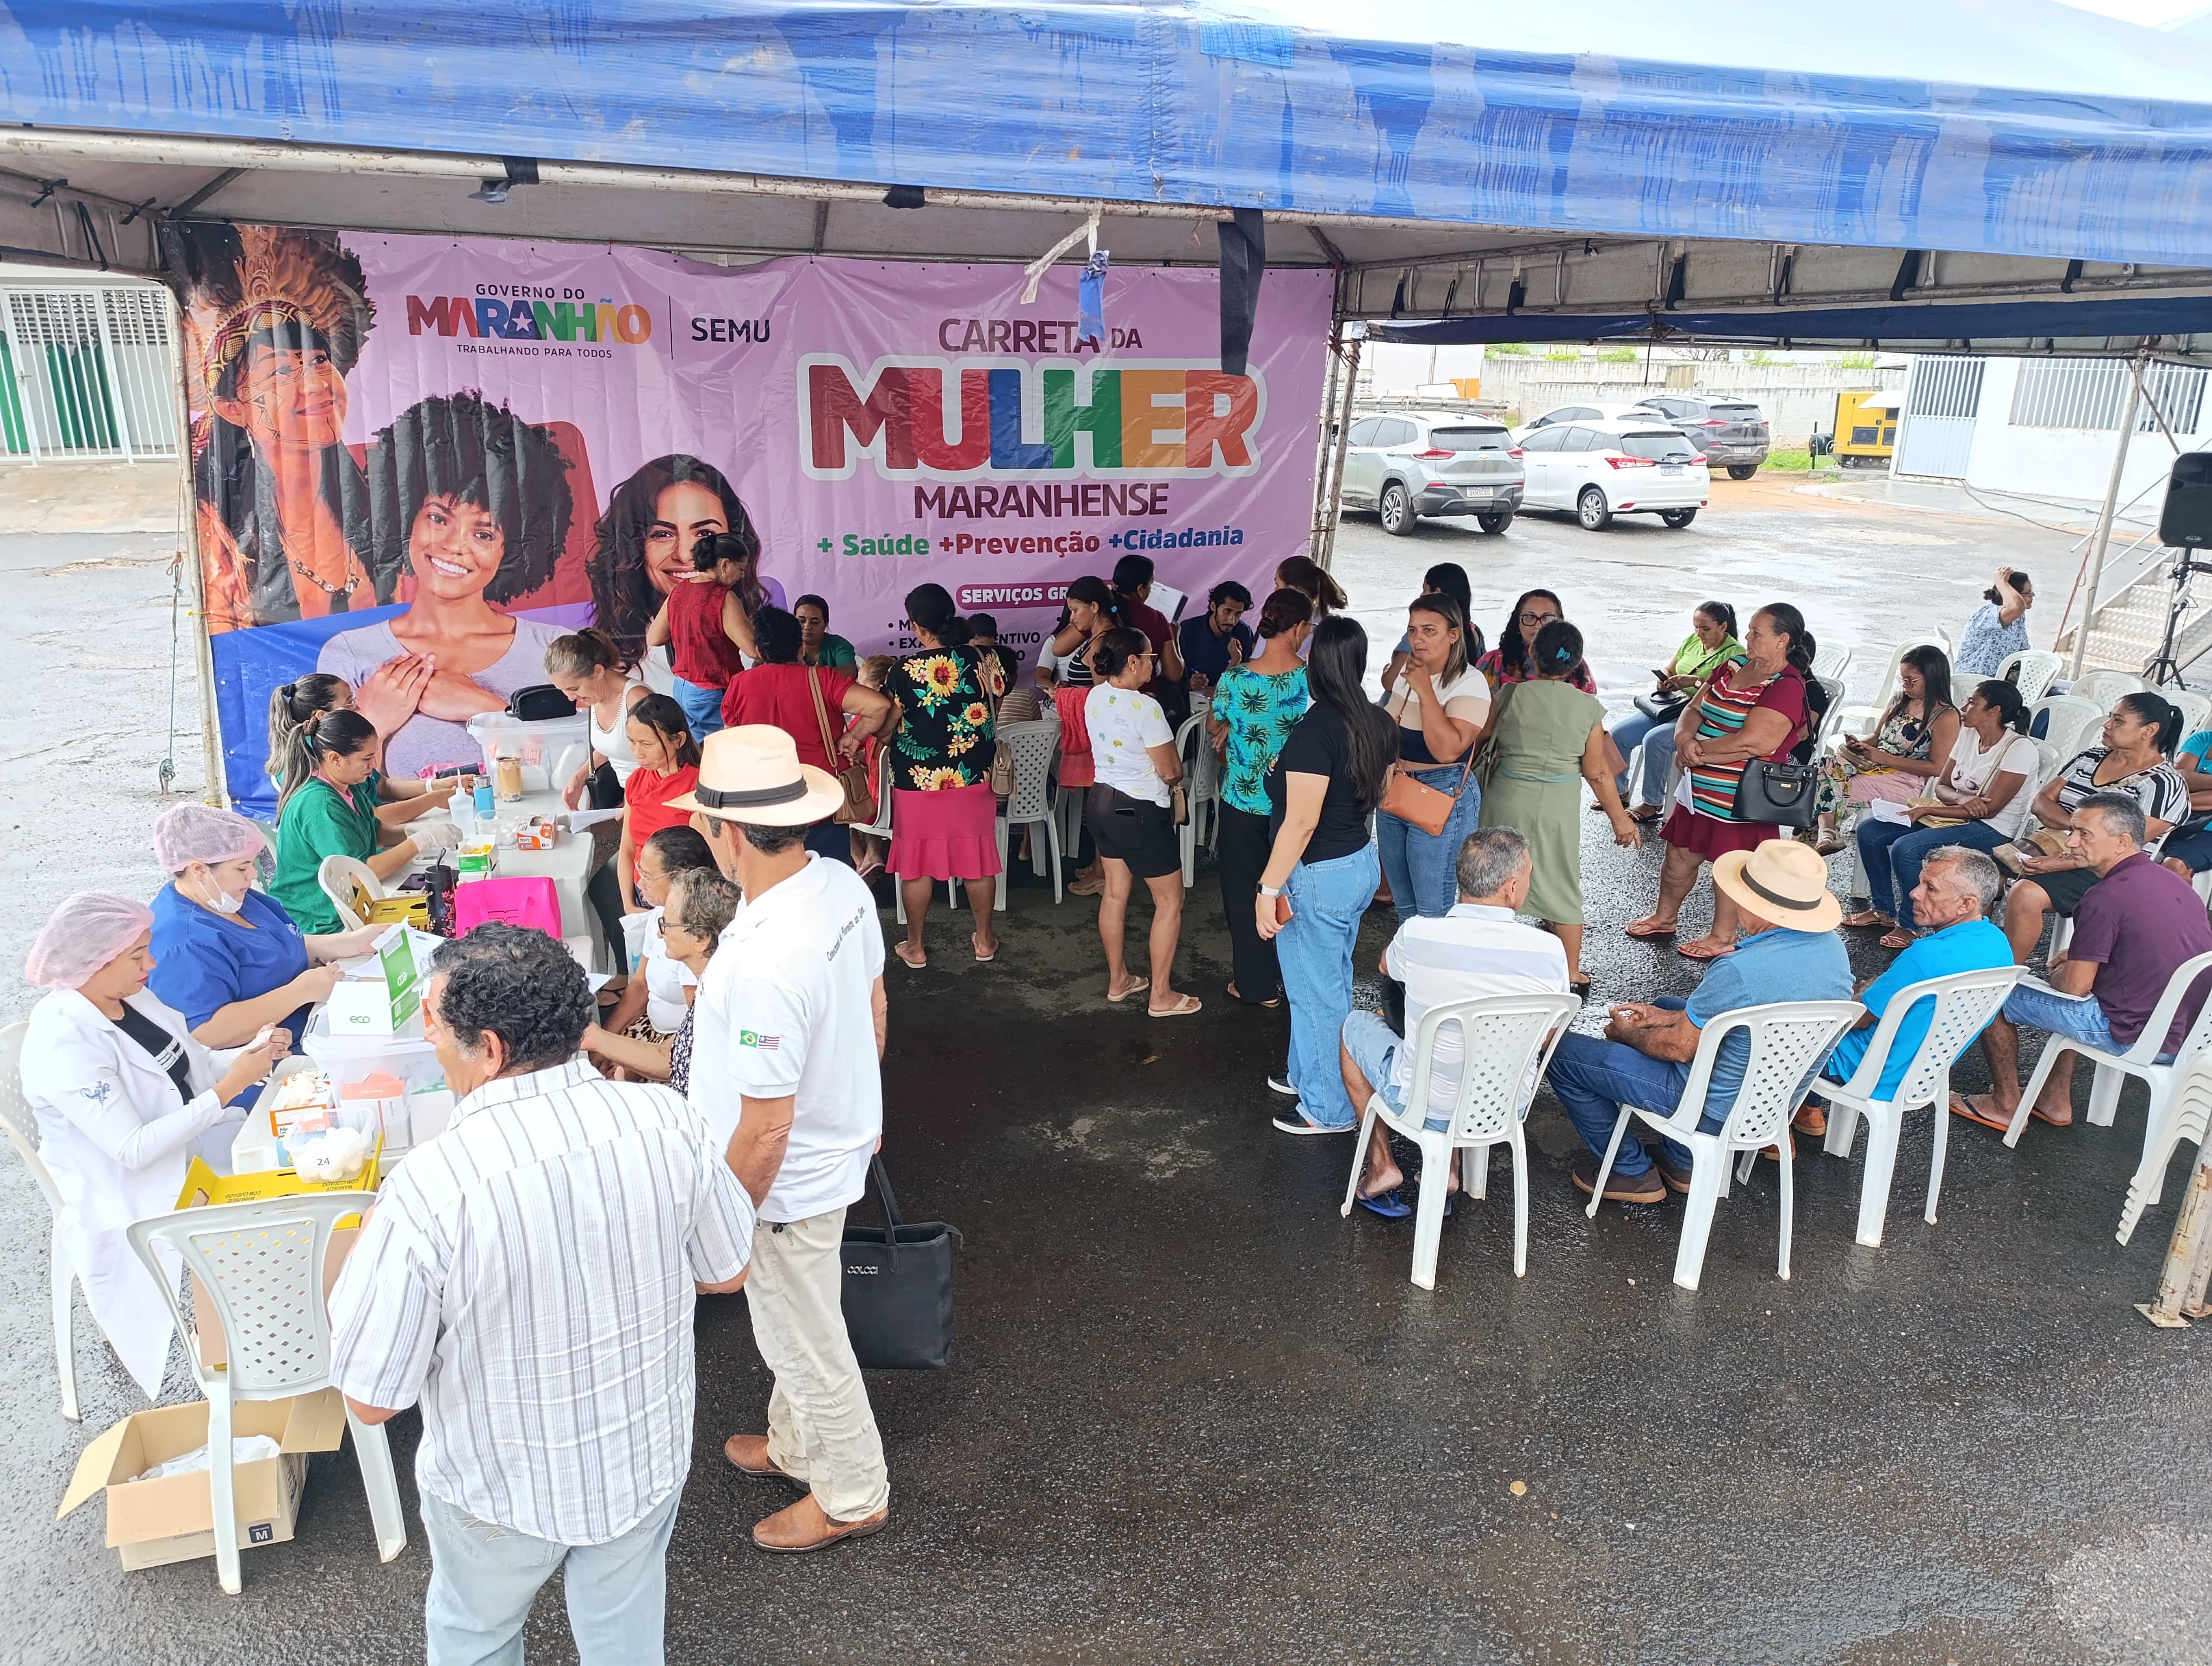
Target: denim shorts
(2077,1018)
(1374,1047)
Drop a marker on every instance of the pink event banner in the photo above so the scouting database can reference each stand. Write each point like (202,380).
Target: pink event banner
(883,423)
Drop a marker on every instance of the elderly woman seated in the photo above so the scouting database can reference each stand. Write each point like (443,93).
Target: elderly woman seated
(227,956)
(125,1098)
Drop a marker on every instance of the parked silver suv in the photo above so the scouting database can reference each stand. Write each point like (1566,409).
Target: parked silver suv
(1405,465)
(1732,433)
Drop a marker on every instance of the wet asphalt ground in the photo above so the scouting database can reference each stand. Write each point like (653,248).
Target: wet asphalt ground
(1192,1413)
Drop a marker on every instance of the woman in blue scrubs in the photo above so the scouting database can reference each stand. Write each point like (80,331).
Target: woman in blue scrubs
(225,956)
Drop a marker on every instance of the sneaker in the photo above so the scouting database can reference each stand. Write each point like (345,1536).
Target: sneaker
(1645,1187)
(1295,1121)
(1282,1087)
(1676,1177)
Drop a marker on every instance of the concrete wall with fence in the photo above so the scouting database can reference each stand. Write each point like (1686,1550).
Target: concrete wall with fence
(1795,398)
(87,372)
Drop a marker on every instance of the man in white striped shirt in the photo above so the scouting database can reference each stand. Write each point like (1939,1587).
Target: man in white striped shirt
(529,1277)
(1477,949)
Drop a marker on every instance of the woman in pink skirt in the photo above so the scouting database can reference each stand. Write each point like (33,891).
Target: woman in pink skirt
(944,816)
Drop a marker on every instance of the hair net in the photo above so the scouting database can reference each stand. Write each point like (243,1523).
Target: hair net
(86,931)
(202,833)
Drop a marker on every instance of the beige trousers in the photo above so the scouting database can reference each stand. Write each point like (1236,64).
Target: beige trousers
(820,1429)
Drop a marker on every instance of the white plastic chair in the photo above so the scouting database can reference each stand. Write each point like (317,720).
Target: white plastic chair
(2037,669)
(1500,1036)
(1034,746)
(1965,1003)
(337,876)
(1829,664)
(1861,720)
(23,1133)
(1201,780)
(261,1264)
(2196,710)
(2163,1081)
(2072,723)
(1832,724)
(1789,1040)
(2186,1119)
(2104,689)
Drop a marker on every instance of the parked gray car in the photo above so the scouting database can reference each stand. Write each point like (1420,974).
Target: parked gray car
(1407,465)
(1732,433)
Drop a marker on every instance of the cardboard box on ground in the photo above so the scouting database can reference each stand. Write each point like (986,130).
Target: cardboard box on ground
(171,1518)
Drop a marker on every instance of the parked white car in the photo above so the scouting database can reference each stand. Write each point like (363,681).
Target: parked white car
(1629,465)
(1405,465)
(1561,415)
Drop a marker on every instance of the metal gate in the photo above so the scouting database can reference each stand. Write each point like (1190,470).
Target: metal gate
(86,374)
(1941,397)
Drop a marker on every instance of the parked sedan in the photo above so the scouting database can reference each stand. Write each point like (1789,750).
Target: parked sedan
(1407,464)
(1563,414)
(1633,466)
(1731,433)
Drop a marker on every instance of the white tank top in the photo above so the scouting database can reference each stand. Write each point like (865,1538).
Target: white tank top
(613,744)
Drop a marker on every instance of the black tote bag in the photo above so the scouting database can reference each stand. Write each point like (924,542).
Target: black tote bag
(899,1288)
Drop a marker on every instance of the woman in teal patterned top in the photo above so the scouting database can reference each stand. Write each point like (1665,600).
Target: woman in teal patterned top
(1255,707)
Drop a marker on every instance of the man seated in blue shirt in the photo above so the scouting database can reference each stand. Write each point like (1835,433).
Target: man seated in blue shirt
(1956,888)
(1217,639)
(1789,952)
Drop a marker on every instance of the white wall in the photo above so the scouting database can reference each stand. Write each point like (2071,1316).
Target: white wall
(2070,465)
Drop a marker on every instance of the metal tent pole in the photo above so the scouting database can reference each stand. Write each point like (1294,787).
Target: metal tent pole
(1322,449)
(1327,528)
(215,790)
(2104,535)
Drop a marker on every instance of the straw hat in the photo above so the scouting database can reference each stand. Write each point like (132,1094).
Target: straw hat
(1783,882)
(752,773)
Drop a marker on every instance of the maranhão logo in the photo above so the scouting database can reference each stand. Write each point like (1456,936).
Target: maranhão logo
(950,419)
(531,312)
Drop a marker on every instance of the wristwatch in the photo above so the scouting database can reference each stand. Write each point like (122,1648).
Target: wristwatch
(1271,893)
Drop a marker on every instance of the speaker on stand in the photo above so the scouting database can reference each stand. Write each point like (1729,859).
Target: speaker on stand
(2184,526)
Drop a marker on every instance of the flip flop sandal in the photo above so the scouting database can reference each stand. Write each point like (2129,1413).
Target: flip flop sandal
(1184,1006)
(899,948)
(1646,813)
(1899,939)
(1962,1106)
(1630,930)
(1136,985)
(1388,1204)
(985,959)
(1692,952)
(1865,919)
(2036,1111)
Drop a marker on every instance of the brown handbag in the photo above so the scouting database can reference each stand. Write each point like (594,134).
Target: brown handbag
(1418,804)
(859,785)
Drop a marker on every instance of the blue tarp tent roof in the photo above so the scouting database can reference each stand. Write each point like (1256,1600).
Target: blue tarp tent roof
(2010,129)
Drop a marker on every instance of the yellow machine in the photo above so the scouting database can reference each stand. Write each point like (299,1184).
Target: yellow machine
(1866,428)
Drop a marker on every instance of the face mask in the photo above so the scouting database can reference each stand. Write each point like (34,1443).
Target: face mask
(223,902)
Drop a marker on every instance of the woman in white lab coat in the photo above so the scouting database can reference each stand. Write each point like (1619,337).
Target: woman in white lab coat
(125,1099)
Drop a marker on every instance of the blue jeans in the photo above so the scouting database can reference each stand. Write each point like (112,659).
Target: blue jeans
(1593,1078)
(1328,900)
(1373,1045)
(1888,848)
(1424,866)
(1631,729)
(703,707)
(484,1579)
(1658,765)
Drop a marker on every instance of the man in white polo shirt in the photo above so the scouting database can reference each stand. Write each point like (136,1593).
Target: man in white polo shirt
(1477,949)
(787,1041)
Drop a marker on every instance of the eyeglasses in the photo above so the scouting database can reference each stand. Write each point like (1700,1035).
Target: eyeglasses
(1538,618)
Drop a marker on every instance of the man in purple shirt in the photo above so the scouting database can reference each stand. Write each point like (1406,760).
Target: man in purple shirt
(2136,925)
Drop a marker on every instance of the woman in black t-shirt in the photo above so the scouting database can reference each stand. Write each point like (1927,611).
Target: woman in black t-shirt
(1322,872)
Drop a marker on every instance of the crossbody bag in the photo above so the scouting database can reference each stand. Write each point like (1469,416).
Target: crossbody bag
(855,779)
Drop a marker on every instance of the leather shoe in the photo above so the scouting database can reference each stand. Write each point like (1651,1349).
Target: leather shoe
(804,1526)
(1645,1187)
(748,1455)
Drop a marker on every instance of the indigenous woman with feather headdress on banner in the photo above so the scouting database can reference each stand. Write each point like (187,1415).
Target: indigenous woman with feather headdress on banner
(273,321)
